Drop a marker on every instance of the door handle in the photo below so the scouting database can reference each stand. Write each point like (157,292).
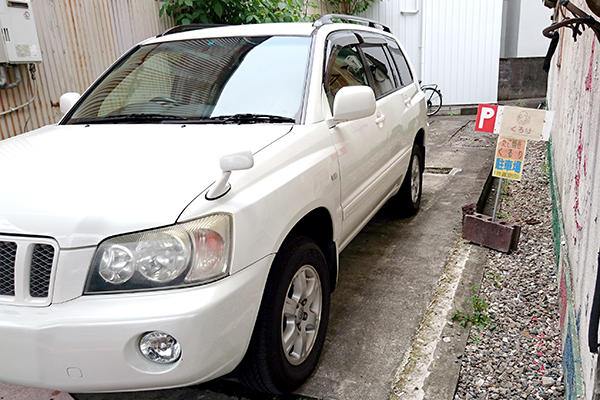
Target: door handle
(380,118)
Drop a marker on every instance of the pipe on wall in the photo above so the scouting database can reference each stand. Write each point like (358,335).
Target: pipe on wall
(4,85)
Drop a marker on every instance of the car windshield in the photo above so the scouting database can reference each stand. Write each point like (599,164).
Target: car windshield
(218,80)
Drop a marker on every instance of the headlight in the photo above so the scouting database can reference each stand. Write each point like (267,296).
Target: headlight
(185,254)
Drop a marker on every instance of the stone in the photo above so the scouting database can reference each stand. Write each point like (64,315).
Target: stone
(547,381)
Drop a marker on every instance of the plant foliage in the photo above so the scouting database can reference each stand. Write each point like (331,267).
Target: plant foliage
(480,317)
(235,12)
(253,11)
(349,7)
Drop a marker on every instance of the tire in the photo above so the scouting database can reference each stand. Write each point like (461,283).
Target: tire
(407,201)
(290,329)
(433,98)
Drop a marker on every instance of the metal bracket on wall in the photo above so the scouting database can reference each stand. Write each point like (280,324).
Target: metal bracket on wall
(575,24)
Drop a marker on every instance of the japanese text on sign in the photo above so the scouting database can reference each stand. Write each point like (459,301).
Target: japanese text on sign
(510,154)
(522,123)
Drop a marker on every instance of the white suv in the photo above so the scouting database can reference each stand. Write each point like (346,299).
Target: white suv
(184,219)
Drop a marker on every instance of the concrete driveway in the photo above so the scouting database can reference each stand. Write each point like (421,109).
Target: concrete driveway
(399,283)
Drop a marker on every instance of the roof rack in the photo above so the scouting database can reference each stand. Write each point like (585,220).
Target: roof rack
(327,19)
(188,27)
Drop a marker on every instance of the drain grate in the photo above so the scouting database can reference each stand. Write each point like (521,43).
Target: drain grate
(438,170)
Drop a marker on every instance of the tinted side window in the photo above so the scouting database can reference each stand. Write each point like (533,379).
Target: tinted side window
(380,69)
(406,77)
(345,68)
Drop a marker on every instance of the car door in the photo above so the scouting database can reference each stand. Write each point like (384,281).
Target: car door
(361,145)
(391,102)
(407,109)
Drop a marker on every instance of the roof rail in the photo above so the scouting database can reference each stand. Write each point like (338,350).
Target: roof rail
(188,27)
(327,19)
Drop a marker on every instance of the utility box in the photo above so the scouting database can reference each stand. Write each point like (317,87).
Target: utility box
(19,42)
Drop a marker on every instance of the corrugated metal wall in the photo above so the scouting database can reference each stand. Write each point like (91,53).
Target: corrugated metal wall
(78,40)
(462,49)
(454,43)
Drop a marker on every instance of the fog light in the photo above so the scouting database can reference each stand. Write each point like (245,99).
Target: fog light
(160,347)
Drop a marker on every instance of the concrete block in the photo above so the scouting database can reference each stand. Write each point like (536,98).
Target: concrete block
(498,235)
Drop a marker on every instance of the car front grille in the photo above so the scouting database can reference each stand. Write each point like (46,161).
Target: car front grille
(8,253)
(26,266)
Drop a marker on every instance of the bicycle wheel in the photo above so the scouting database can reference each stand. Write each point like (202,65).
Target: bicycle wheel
(434,100)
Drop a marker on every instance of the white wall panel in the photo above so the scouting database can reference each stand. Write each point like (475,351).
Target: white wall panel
(534,17)
(454,43)
(462,49)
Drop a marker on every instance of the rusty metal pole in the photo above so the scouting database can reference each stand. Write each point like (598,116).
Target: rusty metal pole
(498,190)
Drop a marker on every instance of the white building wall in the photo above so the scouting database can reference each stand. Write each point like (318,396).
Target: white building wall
(454,43)
(511,16)
(534,17)
(522,25)
(462,49)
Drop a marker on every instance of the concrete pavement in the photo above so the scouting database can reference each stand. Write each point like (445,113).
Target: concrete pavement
(400,282)
(15,392)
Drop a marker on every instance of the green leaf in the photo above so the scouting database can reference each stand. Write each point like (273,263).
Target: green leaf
(186,21)
(189,3)
(218,9)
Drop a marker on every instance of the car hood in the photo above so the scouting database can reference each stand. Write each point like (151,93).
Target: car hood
(80,184)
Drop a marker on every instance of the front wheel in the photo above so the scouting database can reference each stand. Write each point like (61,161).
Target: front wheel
(292,321)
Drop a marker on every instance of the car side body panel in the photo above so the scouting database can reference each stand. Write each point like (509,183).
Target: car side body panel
(291,177)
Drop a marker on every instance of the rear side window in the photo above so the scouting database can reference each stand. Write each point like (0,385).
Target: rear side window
(381,70)
(406,77)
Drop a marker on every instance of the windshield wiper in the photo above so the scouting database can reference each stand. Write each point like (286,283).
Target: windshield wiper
(136,118)
(251,119)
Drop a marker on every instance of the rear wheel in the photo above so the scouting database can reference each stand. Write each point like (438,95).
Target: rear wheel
(292,322)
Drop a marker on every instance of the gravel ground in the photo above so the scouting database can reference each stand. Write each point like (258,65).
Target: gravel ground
(520,357)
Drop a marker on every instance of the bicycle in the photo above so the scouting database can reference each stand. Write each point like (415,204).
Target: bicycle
(433,96)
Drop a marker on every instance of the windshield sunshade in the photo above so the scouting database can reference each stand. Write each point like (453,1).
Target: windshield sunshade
(202,80)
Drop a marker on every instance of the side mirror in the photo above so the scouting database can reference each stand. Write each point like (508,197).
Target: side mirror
(67,101)
(228,163)
(351,103)
(237,161)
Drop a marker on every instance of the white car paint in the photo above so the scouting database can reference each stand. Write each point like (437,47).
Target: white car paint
(81,184)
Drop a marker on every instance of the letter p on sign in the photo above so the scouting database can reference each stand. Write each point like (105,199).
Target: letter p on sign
(486,118)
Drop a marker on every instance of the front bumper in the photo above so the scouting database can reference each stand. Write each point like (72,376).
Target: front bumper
(90,344)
